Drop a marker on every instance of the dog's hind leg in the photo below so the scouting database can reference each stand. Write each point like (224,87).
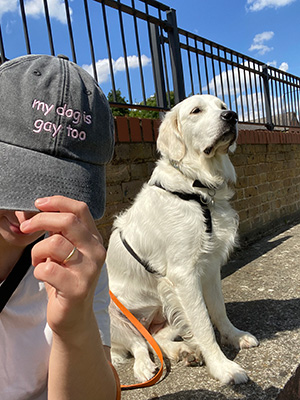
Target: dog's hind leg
(126,339)
(172,349)
(176,348)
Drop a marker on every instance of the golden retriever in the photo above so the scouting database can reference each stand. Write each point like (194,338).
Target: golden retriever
(166,250)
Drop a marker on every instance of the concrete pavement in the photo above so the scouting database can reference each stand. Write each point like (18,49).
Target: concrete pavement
(261,286)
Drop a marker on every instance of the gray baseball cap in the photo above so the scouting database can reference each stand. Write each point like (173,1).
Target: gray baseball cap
(56,133)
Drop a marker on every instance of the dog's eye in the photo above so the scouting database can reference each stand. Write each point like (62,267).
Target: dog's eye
(196,110)
(223,107)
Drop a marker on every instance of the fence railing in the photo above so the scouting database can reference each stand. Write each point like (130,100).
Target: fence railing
(144,61)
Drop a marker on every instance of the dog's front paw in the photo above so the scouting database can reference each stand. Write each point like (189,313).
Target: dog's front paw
(144,369)
(240,340)
(228,372)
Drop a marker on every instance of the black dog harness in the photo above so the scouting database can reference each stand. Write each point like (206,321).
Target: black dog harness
(144,263)
(184,196)
(195,197)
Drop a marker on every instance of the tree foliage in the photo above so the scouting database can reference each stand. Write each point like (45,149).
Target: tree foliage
(118,111)
(139,113)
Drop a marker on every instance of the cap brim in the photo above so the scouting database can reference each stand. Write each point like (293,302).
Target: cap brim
(27,175)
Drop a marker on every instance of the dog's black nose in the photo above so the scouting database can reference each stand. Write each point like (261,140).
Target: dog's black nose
(229,116)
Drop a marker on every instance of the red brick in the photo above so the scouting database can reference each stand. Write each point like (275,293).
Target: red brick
(122,131)
(135,130)
(147,128)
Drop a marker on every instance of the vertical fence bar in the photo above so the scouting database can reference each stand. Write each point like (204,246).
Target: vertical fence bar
(125,54)
(206,71)
(190,64)
(166,75)
(139,52)
(233,82)
(2,51)
(265,76)
(111,68)
(240,90)
(25,28)
(228,83)
(175,54)
(297,103)
(246,88)
(157,65)
(89,29)
(289,100)
(272,97)
(256,92)
(213,70)
(220,74)
(47,16)
(72,44)
(251,93)
(281,98)
(198,66)
(277,112)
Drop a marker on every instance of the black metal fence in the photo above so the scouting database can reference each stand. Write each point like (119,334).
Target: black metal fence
(143,60)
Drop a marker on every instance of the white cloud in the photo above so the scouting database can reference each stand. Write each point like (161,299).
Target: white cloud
(284,66)
(259,42)
(260,48)
(102,66)
(8,6)
(35,8)
(263,37)
(258,5)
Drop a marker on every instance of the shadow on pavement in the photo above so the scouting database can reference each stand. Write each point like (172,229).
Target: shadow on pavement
(244,256)
(251,387)
(264,318)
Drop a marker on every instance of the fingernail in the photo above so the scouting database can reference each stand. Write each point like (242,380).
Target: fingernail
(41,201)
(25,224)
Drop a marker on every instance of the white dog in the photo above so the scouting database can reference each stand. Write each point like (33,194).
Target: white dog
(166,250)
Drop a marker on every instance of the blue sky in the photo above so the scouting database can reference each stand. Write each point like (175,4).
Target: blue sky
(267,30)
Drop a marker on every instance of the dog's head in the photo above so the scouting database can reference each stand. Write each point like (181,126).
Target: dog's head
(201,124)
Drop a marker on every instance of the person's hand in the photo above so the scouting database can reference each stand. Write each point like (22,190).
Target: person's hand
(70,284)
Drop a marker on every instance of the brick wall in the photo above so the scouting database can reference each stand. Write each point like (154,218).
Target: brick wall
(267,166)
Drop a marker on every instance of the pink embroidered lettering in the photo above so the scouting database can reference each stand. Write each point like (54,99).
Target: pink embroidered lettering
(75,116)
(75,134)
(40,125)
(87,118)
(40,105)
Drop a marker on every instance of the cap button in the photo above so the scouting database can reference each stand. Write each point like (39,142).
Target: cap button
(63,56)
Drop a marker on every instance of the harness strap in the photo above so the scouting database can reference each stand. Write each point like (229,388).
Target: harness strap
(198,199)
(143,331)
(144,263)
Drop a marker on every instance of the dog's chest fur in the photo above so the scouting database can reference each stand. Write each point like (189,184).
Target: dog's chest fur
(171,233)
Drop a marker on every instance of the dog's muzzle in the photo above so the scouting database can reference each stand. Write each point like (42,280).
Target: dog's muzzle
(229,134)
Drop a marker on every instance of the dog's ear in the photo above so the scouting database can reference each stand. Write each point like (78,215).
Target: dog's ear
(170,142)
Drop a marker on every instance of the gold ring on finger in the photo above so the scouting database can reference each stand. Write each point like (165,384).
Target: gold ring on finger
(70,255)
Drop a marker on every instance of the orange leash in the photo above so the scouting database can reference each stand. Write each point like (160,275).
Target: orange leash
(149,339)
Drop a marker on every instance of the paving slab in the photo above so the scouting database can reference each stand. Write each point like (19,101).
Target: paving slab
(261,286)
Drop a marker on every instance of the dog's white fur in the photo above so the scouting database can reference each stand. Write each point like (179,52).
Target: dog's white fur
(170,233)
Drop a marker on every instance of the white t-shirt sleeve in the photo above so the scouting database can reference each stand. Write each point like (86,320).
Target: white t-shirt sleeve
(101,303)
